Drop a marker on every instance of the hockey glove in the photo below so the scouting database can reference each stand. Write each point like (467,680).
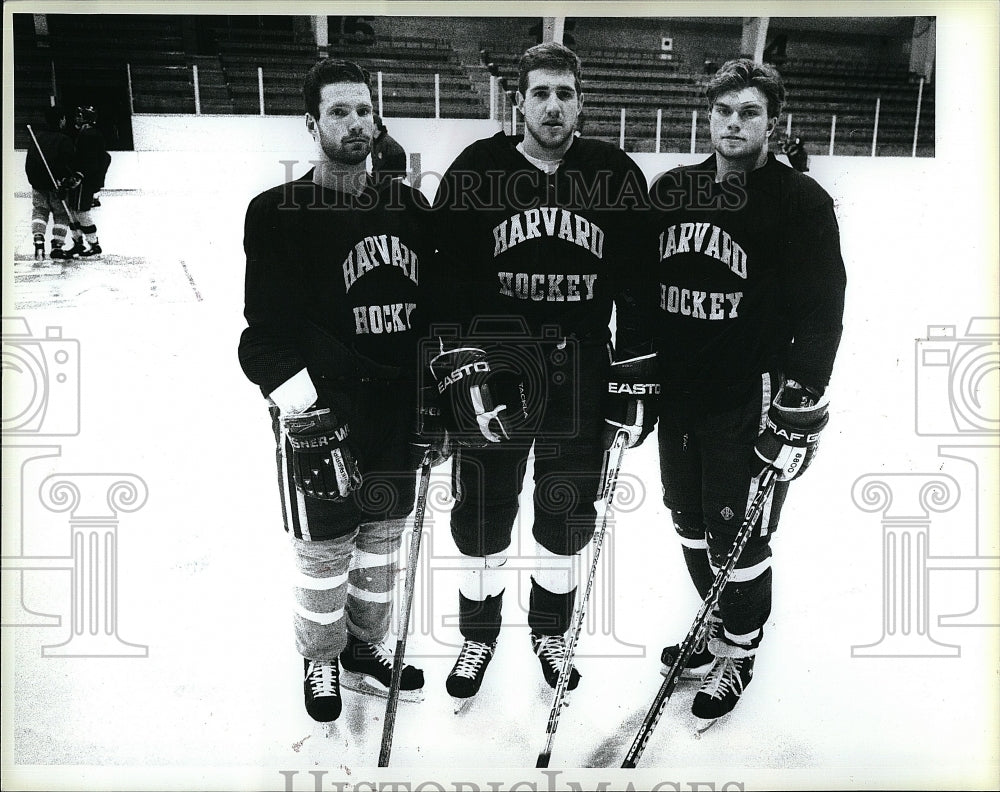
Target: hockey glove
(791,434)
(430,435)
(70,183)
(322,464)
(469,386)
(631,400)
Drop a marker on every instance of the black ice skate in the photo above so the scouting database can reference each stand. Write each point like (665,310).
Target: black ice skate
(59,253)
(551,649)
(322,689)
(39,249)
(467,675)
(75,251)
(367,668)
(722,688)
(93,250)
(701,659)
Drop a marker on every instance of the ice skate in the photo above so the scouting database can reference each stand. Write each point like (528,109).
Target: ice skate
(551,649)
(92,251)
(721,690)
(367,668)
(39,249)
(701,659)
(77,250)
(466,676)
(322,689)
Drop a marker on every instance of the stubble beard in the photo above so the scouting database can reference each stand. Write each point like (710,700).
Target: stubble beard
(548,143)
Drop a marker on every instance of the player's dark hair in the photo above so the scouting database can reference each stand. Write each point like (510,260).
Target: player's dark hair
(742,73)
(53,115)
(325,72)
(549,55)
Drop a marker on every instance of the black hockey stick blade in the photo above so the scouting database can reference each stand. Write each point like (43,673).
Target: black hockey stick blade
(396,679)
(764,489)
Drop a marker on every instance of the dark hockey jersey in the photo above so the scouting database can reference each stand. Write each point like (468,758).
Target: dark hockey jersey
(333,282)
(551,251)
(58,152)
(749,279)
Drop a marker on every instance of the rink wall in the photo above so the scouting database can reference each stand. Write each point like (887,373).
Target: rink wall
(246,154)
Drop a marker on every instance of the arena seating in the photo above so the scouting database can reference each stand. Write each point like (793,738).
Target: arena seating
(643,82)
(95,55)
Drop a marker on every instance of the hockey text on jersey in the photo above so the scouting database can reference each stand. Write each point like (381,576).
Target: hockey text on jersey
(550,287)
(708,240)
(695,238)
(548,221)
(388,318)
(699,304)
(376,251)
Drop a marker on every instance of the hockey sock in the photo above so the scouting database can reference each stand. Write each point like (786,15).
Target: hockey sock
(553,572)
(549,613)
(371,577)
(479,620)
(699,569)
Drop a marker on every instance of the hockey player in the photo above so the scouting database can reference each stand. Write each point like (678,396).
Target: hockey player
(750,284)
(54,161)
(540,236)
(92,161)
(333,298)
(388,157)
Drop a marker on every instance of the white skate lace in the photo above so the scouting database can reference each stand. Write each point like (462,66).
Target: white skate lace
(323,677)
(472,656)
(383,655)
(709,631)
(724,678)
(552,649)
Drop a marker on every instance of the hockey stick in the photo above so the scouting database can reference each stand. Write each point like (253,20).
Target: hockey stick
(55,184)
(404,616)
(610,479)
(766,486)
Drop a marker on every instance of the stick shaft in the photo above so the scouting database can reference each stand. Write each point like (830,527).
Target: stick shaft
(404,617)
(615,455)
(711,600)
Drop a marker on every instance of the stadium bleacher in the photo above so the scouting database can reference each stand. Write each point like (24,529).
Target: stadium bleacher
(127,64)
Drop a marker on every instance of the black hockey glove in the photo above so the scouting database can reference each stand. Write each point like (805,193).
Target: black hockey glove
(479,404)
(791,435)
(631,400)
(322,463)
(70,183)
(429,435)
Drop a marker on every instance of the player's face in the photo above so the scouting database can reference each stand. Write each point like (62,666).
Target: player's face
(740,126)
(345,123)
(550,106)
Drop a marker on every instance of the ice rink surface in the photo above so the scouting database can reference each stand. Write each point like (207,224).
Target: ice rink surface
(889,542)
